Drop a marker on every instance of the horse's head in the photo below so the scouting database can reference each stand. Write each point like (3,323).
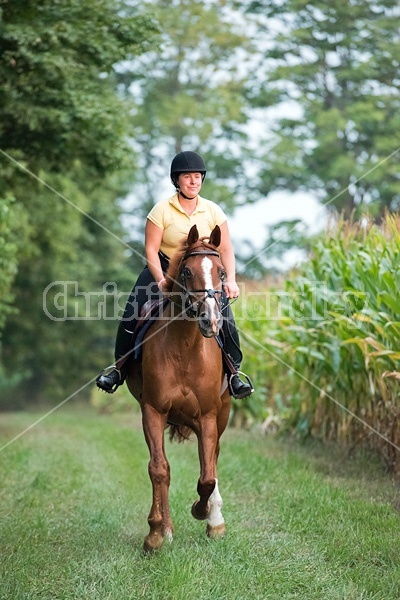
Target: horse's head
(201,274)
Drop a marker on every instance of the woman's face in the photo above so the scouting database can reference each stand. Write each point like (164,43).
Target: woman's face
(190,183)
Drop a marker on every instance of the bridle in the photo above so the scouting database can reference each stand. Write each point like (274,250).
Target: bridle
(193,309)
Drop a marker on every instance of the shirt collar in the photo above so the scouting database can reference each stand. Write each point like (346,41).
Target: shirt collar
(201,205)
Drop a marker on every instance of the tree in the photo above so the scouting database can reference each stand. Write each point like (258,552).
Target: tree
(334,67)
(10,224)
(58,77)
(62,327)
(64,122)
(190,95)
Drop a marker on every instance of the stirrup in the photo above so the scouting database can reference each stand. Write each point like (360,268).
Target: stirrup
(107,371)
(249,381)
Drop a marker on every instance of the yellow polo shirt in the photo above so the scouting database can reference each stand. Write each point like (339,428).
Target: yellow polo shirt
(176,223)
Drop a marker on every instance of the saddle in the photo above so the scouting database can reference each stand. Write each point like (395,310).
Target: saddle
(150,312)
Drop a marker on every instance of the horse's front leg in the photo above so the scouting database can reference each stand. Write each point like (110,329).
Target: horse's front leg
(209,504)
(159,517)
(215,521)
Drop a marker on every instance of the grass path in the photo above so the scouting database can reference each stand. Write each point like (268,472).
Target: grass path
(302,521)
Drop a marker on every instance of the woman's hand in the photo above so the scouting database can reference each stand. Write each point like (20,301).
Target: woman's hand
(161,284)
(231,289)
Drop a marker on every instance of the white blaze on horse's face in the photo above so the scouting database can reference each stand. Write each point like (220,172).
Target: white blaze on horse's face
(210,319)
(206,265)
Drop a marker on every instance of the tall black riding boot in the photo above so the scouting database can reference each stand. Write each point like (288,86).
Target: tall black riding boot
(144,289)
(239,388)
(111,378)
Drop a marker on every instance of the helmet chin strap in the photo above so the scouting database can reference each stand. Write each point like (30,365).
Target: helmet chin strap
(184,195)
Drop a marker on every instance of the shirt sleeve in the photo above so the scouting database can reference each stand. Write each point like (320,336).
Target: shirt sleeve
(218,215)
(156,215)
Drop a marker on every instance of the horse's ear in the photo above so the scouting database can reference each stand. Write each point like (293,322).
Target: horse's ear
(193,236)
(215,237)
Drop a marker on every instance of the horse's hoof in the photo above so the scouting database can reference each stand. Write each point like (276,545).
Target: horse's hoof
(200,516)
(217,532)
(151,544)
(147,549)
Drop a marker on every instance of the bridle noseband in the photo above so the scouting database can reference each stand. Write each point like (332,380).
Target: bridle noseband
(192,309)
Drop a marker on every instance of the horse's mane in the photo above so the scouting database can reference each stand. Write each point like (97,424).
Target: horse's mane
(175,262)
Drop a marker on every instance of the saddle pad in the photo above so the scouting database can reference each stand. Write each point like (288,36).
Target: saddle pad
(151,313)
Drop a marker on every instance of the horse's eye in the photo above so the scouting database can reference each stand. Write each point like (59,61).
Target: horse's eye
(186,272)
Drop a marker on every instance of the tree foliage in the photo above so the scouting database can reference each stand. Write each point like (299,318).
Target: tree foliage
(66,159)
(10,224)
(335,68)
(190,94)
(57,75)
(61,331)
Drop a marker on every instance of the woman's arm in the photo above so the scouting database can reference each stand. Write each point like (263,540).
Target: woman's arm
(152,243)
(228,260)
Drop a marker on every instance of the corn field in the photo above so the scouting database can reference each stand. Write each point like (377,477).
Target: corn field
(330,363)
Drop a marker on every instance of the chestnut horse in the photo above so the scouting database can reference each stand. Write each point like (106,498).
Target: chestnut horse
(180,382)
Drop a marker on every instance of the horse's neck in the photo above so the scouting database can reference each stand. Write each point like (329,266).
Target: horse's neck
(181,329)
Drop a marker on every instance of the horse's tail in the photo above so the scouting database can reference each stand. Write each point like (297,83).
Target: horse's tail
(179,433)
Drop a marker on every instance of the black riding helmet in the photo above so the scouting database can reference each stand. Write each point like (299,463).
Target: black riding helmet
(187,162)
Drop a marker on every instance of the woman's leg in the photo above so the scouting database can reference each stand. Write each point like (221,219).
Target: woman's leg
(144,289)
(239,388)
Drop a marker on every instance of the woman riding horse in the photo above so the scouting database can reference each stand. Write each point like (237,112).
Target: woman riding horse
(180,382)
(167,223)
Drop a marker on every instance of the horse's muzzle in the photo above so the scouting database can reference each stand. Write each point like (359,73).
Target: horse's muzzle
(210,323)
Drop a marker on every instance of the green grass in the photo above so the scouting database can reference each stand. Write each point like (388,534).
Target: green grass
(303,521)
